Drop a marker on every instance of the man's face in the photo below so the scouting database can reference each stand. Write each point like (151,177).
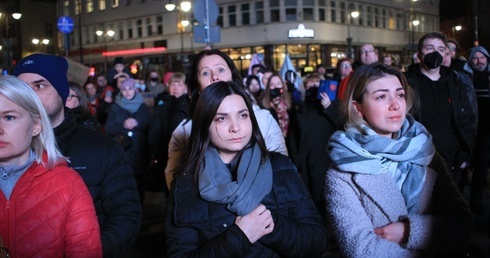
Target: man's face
(46,92)
(479,62)
(368,54)
(432,45)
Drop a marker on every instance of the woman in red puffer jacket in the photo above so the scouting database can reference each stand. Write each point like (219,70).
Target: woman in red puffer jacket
(45,208)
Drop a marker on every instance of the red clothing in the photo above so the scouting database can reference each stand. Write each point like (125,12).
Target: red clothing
(343,87)
(50,214)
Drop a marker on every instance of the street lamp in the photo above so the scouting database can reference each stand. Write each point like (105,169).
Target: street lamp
(184,7)
(16,16)
(109,33)
(454,29)
(350,53)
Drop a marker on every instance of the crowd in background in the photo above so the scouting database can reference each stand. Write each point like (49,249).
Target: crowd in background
(307,161)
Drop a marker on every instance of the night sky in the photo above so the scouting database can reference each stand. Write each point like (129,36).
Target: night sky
(452,9)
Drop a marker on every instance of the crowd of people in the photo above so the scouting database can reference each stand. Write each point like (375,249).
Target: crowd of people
(372,160)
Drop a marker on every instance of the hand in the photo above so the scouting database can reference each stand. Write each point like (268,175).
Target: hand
(130,123)
(256,224)
(326,102)
(395,232)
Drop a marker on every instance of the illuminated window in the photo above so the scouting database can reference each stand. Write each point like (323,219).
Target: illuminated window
(115,3)
(90,6)
(101,5)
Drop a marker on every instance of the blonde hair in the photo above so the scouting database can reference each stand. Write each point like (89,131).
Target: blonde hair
(22,95)
(357,86)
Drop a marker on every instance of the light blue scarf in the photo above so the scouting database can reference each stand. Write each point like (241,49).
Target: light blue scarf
(361,150)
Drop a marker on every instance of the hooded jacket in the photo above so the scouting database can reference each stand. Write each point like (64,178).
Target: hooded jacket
(481,88)
(50,214)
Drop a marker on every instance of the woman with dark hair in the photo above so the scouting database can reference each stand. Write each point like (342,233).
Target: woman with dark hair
(77,101)
(212,66)
(233,198)
(387,193)
(253,86)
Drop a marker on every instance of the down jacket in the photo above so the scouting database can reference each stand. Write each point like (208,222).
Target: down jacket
(106,171)
(50,214)
(197,228)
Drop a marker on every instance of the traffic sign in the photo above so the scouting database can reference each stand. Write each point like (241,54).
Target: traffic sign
(200,11)
(65,24)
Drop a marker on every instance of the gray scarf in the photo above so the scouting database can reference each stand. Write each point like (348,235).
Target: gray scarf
(253,182)
(131,105)
(361,150)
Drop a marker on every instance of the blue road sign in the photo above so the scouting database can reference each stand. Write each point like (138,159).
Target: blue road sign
(65,24)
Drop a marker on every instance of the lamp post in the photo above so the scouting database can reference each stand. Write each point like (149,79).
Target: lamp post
(8,44)
(109,33)
(413,22)
(350,53)
(454,29)
(184,7)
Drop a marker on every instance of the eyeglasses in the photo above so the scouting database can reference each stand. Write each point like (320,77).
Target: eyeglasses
(73,96)
(344,66)
(452,48)
(366,52)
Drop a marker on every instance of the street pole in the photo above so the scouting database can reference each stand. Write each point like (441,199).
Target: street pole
(349,39)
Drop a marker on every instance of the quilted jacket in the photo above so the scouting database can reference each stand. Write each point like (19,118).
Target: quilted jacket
(197,228)
(50,214)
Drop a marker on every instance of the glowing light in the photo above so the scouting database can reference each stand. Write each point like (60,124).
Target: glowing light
(136,51)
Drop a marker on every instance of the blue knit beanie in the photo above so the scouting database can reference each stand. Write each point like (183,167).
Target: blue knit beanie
(51,67)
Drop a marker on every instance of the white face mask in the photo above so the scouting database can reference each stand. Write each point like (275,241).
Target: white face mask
(143,87)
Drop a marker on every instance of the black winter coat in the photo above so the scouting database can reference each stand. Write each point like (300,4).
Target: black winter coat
(312,160)
(106,171)
(464,119)
(197,228)
(138,153)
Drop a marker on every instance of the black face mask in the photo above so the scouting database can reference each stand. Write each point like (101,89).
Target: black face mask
(433,60)
(154,79)
(312,92)
(275,93)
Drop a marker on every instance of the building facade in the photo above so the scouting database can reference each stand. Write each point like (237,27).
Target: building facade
(311,32)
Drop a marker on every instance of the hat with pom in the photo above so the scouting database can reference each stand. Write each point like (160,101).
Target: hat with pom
(51,67)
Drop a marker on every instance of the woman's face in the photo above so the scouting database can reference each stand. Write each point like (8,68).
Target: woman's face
(73,100)
(128,92)
(177,88)
(345,68)
(211,69)
(384,106)
(231,128)
(16,132)
(275,83)
(254,86)
(90,89)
